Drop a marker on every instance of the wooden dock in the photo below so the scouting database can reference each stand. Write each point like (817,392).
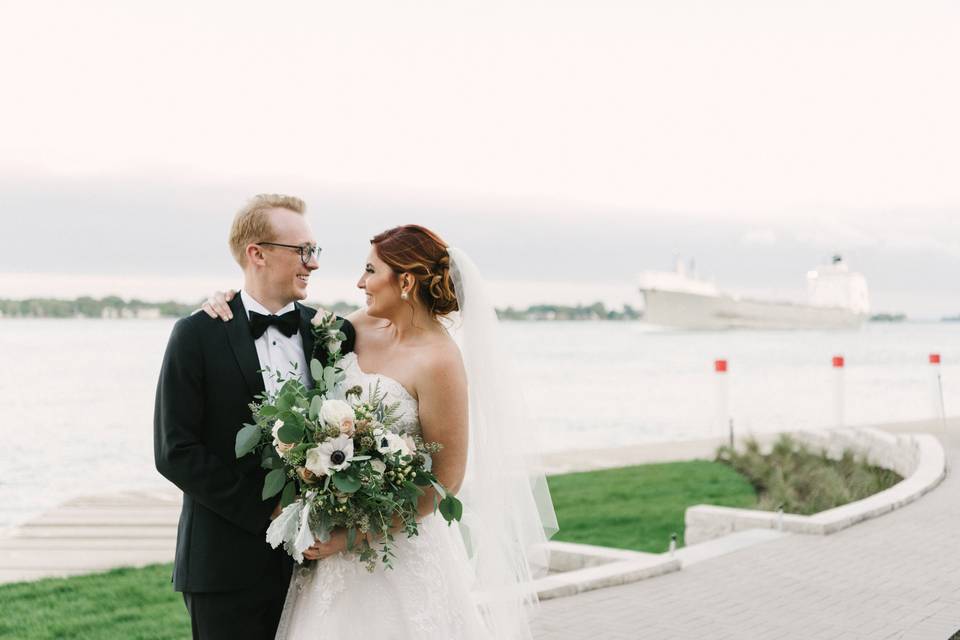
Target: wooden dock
(91,534)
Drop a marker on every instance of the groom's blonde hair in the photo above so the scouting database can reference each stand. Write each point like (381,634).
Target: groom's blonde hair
(252,224)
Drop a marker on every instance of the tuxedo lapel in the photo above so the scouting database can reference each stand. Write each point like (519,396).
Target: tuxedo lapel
(306,334)
(238,333)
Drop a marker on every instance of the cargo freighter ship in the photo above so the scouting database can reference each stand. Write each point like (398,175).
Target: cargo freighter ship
(837,298)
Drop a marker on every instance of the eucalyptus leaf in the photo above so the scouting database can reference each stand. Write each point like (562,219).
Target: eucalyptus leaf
(292,417)
(270,459)
(267,410)
(346,483)
(301,449)
(290,432)
(451,509)
(351,538)
(329,377)
(289,494)
(412,488)
(273,483)
(316,369)
(293,386)
(247,440)
(422,480)
(285,401)
(315,405)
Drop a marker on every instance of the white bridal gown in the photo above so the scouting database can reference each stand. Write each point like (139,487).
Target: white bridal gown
(426,595)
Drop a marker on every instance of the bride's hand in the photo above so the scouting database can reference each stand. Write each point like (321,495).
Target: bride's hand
(321,550)
(216,305)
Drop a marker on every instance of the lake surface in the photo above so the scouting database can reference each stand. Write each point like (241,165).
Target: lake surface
(77,395)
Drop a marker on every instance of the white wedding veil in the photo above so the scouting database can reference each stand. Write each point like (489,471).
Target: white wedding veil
(508,514)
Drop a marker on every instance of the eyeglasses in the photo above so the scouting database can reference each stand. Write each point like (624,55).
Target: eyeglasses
(307,251)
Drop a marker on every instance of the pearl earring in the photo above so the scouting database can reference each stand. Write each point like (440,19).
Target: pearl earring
(403,296)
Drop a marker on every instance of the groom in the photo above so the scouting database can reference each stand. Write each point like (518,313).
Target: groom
(233,583)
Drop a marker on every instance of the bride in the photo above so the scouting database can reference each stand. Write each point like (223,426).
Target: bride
(470,580)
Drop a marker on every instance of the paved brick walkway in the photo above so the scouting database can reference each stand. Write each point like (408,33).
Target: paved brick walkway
(897,576)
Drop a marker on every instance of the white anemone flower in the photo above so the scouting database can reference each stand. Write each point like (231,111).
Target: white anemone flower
(389,443)
(332,455)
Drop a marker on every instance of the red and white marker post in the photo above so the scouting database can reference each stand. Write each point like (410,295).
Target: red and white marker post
(936,388)
(723,419)
(839,391)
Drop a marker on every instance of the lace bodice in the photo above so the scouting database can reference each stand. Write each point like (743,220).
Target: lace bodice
(393,391)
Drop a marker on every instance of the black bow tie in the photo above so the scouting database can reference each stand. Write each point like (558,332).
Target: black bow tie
(288,323)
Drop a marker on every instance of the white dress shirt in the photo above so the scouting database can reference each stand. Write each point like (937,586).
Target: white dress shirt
(276,351)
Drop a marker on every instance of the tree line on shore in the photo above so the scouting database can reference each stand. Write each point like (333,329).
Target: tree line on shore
(115,307)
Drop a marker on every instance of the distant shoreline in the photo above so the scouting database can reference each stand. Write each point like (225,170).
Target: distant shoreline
(116,308)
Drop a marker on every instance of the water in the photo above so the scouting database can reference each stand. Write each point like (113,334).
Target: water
(77,395)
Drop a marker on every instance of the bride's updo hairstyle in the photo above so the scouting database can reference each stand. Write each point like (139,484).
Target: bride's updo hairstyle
(423,254)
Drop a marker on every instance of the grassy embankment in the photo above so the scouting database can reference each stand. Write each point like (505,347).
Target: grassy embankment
(632,508)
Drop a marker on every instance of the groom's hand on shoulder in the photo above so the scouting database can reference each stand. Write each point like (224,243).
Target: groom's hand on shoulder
(216,305)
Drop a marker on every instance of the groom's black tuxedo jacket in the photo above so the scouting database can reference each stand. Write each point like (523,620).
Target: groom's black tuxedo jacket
(210,375)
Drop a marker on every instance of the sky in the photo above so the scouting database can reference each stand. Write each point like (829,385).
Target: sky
(566,145)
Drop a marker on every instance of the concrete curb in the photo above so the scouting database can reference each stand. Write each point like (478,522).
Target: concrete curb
(602,567)
(586,567)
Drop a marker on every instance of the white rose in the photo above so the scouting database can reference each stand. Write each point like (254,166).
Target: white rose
(378,466)
(332,455)
(333,344)
(337,413)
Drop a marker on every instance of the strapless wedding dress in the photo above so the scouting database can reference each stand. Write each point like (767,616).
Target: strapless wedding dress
(425,596)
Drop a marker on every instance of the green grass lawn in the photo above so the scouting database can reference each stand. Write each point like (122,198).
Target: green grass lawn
(639,507)
(633,508)
(124,604)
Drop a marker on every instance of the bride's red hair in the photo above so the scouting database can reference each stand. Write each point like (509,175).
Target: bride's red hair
(423,254)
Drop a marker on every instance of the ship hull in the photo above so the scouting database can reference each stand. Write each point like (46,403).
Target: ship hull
(698,311)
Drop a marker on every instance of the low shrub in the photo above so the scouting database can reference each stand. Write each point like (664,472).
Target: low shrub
(802,480)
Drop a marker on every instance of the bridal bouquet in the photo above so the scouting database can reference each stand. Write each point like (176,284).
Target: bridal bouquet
(335,461)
